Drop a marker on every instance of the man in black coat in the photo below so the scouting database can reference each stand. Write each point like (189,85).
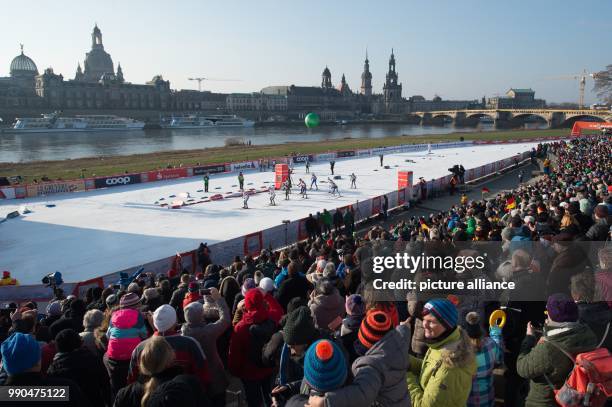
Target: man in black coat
(293,286)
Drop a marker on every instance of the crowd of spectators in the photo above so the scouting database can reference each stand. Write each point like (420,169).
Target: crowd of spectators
(304,325)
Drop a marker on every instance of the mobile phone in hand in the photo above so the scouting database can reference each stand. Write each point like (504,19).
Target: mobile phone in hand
(205,291)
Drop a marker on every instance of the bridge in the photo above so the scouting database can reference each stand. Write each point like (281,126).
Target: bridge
(513,117)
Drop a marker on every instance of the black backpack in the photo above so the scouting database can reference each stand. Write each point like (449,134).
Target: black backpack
(260,336)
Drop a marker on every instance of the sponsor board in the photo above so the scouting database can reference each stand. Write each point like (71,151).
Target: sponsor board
(7,193)
(118,180)
(363,153)
(211,169)
(376,205)
(302,158)
(169,173)
(33,190)
(325,156)
(344,154)
(378,150)
(253,244)
(246,165)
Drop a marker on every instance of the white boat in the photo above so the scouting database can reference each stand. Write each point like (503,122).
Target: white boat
(212,121)
(53,122)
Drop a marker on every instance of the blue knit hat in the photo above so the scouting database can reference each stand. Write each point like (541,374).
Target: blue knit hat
(324,366)
(444,311)
(20,352)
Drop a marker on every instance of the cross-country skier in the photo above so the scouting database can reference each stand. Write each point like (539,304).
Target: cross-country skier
(241,180)
(206,179)
(313,181)
(302,185)
(272,193)
(307,165)
(332,163)
(245,200)
(381,159)
(333,188)
(353,180)
(287,189)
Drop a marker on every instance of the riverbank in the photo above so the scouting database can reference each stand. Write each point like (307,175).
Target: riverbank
(102,166)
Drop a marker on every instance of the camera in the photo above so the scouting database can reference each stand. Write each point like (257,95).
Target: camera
(53,279)
(205,291)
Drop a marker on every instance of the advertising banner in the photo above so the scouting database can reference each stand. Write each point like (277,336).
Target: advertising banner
(363,153)
(210,169)
(54,188)
(169,173)
(325,156)
(246,165)
(344,154)
(253,244)
(302,158)
(7,193)
(118,180)
(376,205)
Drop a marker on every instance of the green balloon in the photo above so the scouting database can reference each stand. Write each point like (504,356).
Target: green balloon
(312,120)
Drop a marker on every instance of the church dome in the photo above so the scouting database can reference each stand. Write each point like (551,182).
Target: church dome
(326,72)
(22,64)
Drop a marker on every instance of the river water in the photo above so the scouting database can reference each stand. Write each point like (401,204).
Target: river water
(60,146)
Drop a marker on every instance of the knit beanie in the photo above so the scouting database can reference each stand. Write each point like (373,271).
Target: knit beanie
(133,288)
(472,326)
(444,311)
(175,392)
(253,300)
(247,285)
(299,327)
(164,318)
(324,366)
(150,293)
(267,284)
(295,303)
(20,352)
(354,305)
(194,312)
(561,308)
(54,309)
(129,300)
(192,287)
(67,340)
(374,326)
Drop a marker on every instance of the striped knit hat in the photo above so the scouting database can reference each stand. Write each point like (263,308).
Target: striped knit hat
(373,327)
(324,366)
(444,311)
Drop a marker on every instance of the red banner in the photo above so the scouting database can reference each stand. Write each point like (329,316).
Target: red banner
(376,205)
(579,126)
(169,173)
(253,244)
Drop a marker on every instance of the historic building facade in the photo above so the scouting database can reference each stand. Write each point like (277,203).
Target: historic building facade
(516,99)
(17,89)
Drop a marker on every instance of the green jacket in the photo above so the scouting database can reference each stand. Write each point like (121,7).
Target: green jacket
(444,377)
(537,359)
(326,217)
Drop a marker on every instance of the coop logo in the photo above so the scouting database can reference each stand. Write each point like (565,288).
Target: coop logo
(120,180)
(117,181)
(302,158)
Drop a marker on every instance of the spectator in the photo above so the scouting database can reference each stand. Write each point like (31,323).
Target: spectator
(126,330)
(326,304)
(207,335)
(193,294)
(295,285)
(78,364)
(275,311)
(21,359)
(245,362)
(355,311)
(179,295)
(92,321)
(601,227)
(188,354)
(444,376)
(544,361)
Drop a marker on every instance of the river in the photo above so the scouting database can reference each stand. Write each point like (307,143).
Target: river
(60,146)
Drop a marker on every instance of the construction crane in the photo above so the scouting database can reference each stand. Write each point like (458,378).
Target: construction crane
(581,77)
(200,79)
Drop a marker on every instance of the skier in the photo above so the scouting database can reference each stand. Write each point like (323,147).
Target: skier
(381,159)
(353,180)
(307,165)
(313,181)
(241,181)
(520,177)
(206,179)
(302,185)
(290,176)
(332,163)
(272,193)
(333,188)
(245,200)
(287,189)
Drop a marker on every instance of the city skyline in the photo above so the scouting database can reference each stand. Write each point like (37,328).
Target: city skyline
(280,44)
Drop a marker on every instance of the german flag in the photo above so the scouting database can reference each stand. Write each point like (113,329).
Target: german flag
(485,190)
(510,203)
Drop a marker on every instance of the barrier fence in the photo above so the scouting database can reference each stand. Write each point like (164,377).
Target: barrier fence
(274,237)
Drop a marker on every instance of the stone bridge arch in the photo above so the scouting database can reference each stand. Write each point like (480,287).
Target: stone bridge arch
(571,119)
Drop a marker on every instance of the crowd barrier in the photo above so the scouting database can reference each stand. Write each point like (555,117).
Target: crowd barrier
(275,237)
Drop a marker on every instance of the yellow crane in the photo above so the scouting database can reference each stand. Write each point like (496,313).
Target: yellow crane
(200,79)
(581,78)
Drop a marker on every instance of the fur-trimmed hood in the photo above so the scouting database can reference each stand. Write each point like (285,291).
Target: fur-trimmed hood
(455,349)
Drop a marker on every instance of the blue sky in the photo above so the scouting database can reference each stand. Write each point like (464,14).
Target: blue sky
(457,49)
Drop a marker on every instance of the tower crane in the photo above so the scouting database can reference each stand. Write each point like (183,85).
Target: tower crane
(200,79)
(582,78)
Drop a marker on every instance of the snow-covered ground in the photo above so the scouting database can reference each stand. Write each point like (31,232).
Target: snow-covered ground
(93,233)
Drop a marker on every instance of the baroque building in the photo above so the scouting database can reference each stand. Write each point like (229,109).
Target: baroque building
(392,91)
(17,89)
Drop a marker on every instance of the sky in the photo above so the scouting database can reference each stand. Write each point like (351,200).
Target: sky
(454,49)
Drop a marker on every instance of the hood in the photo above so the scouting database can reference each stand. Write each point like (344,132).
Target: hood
(595,312)
(125,318)
(392,351)
(330,302)
(455,350)
(573,337)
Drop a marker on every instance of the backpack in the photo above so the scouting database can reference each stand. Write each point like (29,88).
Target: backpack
(590,381)
(260,335)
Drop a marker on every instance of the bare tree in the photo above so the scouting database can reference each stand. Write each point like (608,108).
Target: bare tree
(603,84)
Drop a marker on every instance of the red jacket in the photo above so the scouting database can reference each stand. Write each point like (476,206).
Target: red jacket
(191,297)
(275,310)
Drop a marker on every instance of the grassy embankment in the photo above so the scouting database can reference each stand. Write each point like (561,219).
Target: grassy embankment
(101,166)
